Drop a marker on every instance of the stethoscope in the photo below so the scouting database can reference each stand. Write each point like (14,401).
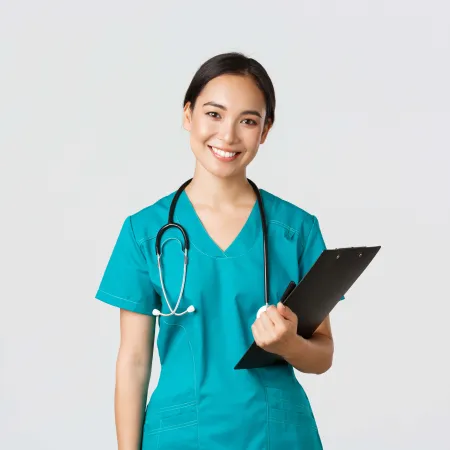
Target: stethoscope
(172,224)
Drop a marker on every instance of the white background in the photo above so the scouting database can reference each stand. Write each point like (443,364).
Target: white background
(90,131)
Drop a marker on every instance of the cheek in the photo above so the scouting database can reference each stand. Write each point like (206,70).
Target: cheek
(251,143)
(252,138)
(202,130)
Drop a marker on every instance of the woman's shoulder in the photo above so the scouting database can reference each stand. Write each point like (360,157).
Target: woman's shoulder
(147,220)
(283,212)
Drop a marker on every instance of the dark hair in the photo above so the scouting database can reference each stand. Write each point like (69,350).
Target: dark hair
(236,64)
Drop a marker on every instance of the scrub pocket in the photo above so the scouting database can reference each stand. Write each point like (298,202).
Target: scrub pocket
(173,427)
(291,423)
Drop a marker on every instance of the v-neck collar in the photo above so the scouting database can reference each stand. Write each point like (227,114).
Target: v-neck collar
(199,238)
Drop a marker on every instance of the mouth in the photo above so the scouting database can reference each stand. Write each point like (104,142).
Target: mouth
(223,155)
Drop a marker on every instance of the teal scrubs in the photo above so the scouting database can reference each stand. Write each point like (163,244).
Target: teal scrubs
(200,401)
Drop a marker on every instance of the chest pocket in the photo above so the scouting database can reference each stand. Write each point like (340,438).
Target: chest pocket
(283,259)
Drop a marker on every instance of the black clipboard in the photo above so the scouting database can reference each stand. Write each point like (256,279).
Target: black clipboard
(330,277)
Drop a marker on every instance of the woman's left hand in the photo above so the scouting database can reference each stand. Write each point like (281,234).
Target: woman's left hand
(276,329)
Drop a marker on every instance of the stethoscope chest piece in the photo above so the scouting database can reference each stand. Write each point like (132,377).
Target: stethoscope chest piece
(261,310)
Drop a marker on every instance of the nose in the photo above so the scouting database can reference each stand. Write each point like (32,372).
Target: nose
(228,132)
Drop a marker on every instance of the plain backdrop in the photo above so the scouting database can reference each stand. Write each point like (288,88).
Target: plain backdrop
(90,131)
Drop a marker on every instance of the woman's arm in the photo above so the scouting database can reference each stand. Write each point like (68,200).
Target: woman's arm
(313,355)
(133,369)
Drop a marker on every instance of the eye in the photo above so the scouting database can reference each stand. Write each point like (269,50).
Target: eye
(250,120)
(212,112)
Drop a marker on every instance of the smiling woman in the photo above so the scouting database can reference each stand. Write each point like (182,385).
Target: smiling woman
(219,216)
(229,109)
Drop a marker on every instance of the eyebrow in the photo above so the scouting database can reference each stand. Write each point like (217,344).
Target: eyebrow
(248,111)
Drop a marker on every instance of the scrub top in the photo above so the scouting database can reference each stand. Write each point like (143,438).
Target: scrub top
(201,401)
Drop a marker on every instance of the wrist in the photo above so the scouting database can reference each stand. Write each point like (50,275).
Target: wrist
(294,346)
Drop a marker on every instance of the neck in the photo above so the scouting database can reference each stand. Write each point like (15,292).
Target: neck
(208,189)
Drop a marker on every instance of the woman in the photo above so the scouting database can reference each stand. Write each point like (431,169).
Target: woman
(201,401)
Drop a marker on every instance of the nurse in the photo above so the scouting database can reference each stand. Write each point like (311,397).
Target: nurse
(201,401)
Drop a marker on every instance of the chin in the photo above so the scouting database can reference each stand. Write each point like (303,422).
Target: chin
(221,172)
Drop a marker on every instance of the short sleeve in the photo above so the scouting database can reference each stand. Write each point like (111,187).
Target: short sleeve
(313,248)
(126,282)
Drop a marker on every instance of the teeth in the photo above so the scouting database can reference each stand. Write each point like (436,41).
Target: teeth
(222,153)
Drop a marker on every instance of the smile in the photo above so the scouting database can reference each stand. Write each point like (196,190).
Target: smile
(223,155)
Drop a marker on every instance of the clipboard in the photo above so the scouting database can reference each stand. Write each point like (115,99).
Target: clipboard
(314,297)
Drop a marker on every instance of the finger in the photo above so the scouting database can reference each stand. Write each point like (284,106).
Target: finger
(256,330)
(270,331)
(286,312)
(266,321)
(257,326)
(275,316)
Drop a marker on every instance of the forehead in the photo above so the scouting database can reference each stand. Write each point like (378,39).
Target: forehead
(233,92)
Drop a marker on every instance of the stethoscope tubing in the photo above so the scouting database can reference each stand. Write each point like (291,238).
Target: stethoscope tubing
(172,224)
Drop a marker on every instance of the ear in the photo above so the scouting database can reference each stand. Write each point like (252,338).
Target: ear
(265,132)
(187,116)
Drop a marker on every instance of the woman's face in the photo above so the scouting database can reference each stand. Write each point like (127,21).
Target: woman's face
(227,124)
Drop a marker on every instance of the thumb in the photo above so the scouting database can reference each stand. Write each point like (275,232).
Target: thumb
(285,311)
